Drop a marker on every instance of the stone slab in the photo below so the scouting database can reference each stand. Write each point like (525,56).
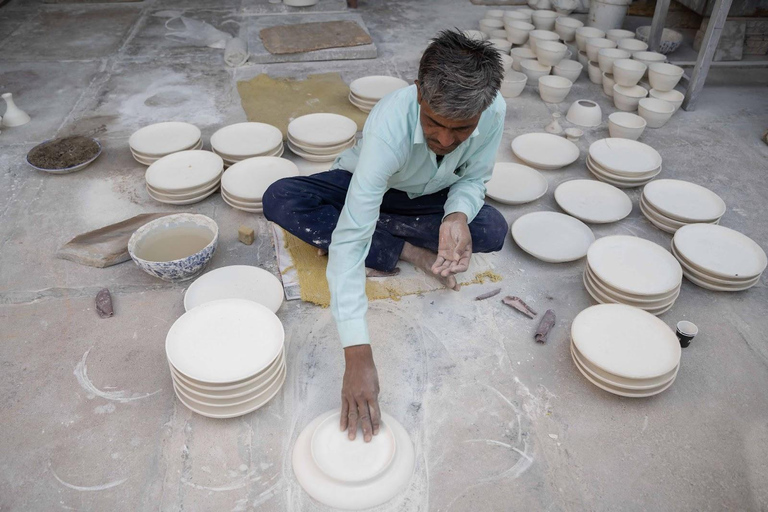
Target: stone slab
(260,55)
(731,44)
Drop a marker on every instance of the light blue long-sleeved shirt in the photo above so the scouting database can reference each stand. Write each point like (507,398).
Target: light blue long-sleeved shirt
(393,153)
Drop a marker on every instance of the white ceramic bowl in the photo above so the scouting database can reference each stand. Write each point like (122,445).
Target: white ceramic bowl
(488,24)
(596,44)
(544,20)
(585,33)
(517,31)
(624,125)
(583,60)
(628,98)
(534,70)
(628,72)
(550,53)
(664,77)
(517,15)
(655,112)
(501,44)
(632,45)
(513,84)
(618,34)
(595,75)
(566,28)
(554,89)
(519,55)
(506,61)
(585,113)
(648,58)
(569,69)
(606,57)
(499,33)
(477,35)
(674,97)
(541,35)
(608,83)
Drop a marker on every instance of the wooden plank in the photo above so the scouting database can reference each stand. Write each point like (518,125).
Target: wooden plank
(707,52)
(307,37)
(657,26)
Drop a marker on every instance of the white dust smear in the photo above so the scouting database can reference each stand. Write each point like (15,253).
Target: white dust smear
(123,396)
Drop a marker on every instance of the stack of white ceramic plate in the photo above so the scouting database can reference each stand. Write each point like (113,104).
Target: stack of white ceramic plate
(226,357)
(321,137)
(185,177)
(236,282)
(672,204)
(632,271)
(237,142)
(623,163)
(718,258)
(624,350)
(151,143)
(365,92)
(244,183)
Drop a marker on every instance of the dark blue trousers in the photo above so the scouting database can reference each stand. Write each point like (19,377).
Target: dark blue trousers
(308,207)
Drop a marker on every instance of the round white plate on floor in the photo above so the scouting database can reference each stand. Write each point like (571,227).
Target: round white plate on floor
(709,285)
(552,237)
(239,202)
(185,195)
(656,220)
(733,282)
(236,282)
(140,155)
(224,341)
(684,201)
(604,298)
(544,150)
(256,394)
(180,202)
(238,206)
(327,150)
(162,138)
(249,179)
(640,385)
(315,157)
(625,341)
(630,300)
(184,171)
(593,201)
(634,265)
(653,212)
(636,178)
(616,183)
(720,251)
(229,390)
(356,496)
(515,184)
(624,156)
(360,102)
(373,88)
(322,129)
(229,160)
(242,140)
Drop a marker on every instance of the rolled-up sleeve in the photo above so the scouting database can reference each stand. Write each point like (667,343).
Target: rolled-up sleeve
(351,239)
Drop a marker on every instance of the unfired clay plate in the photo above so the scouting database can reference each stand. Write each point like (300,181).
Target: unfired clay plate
(684,201)
(236,282)
(624,156)
(552,237)
(163,138)
(243,140)
(322,129)
(513,183)
(373,88)
(184,171)
(250,178)
(720,251)
(544,150)
(639,385)
(593,201)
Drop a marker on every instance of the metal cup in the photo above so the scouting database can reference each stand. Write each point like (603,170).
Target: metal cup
(685,332)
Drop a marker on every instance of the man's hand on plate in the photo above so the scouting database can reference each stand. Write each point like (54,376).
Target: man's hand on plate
(360,393)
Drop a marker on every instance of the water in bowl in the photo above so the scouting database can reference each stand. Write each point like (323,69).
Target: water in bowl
(174,243)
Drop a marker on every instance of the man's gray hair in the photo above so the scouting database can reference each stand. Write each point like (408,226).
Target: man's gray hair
(459,77)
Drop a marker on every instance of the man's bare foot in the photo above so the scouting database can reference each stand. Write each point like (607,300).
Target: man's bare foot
(322,252)
(424,259)
(370,272)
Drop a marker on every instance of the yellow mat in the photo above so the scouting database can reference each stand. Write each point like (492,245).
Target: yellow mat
(300,262)
(277,101)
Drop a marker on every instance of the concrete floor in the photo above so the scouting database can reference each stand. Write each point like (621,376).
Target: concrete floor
(499,423)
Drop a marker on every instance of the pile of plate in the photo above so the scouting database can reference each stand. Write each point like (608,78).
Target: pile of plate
(226,357)
(544,150)
(151,143)
(623,163)
(365,92)
(718,258)
(243,185)
(672,204)
(185,177)
(624,350)
(632,271)
(236,282)
(321,137)
(237,142)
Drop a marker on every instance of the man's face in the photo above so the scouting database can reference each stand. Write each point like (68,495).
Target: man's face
(442,134)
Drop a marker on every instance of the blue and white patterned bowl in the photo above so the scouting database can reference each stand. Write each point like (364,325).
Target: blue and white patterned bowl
(181,269)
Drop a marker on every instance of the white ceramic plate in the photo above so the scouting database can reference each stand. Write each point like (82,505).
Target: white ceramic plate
(236,282)
(637,178)
(616,183)
(721,284)
(239,202)
(656,220)
(361,101)
(322,129)
(515,184)
(718,287)
(229,159)
(146,160)
(184,171)
(224,341)
(250,178)
(186,195)
(238,206)
(631,300)
(625,341)
(684,201)
(226,404)
(634,265)
(139,154)
(720,251)
(314,157)
(242,140)
(620,382)
(180,202)
(362,495)
(604,298)
(373,88)
(327,150)
(592,201)
(234,389)
(544,150)
(197,394)
(161,139)
(624,156)
(552,237)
